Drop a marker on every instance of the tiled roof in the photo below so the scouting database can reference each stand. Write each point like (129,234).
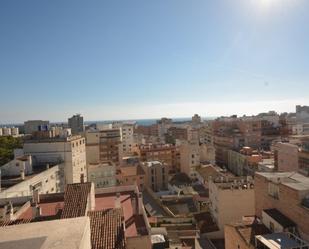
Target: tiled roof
(107,231)
(14,222)
(75,200)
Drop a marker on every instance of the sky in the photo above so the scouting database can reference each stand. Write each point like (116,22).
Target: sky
(143,59)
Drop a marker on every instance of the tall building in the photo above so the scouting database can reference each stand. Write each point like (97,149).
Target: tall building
(76,123)
(156,175)
(68,152)
(31,126)
(103,145)
(164,153)
(230,199)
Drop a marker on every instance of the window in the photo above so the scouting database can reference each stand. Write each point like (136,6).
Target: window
(273,190)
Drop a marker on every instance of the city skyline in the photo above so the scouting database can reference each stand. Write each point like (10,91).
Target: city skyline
(142,60)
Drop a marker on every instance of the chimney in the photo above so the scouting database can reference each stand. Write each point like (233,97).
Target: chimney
(5,210)
(35,196)
(117,201)
(36,210)
(22,174)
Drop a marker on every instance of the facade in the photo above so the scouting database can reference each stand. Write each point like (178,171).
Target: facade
(189,157)
(102,174)
(164,153)
(76,123)
(286,158)
(43,181)
(286,192)
(156,175)
(127,139)
(69,152)
(103,145)
(31,126)
(131,175)
(230,199)
(303,160)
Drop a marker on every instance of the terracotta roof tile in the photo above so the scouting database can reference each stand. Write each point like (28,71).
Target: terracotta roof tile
(107,231)
(75,200)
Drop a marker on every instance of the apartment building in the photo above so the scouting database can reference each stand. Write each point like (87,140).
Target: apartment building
(231,199)
(76,123)
(303,159)
(253,233)
(127,139)
(40,180)
(156,175)
(189,158)
(109,218)
(68,152)
(31,126)
(244,162)
(286,156)
(288,193)
(165,153)
(102,174)
(179,133)
(103,145)
(131,175)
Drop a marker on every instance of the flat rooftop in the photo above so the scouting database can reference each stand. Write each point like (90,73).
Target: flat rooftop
(10,181)
(281,241)
(293,180)
(39,235)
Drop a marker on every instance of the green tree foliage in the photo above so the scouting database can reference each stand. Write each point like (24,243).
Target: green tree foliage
(7,146)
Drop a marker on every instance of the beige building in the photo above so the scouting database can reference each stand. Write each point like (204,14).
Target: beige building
(102,174)
(103,145)
(68,152)
(131,175)
(230,199)
(31,126)
(286,157)
(189,157)
(164,153)
(156,175)
(288,193)
(127,139)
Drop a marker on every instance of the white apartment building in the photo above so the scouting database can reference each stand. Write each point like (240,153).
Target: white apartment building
(9,131)
(44,182)
(70,152)
(6,131)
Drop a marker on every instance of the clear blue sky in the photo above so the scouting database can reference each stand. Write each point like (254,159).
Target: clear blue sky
(142,59)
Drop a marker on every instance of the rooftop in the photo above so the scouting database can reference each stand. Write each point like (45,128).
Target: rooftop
(135,170)
(293,180)
(52,139)
(281,241)
(107,229)
(75,200)
(46,234)
(279,217)
(134,224)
